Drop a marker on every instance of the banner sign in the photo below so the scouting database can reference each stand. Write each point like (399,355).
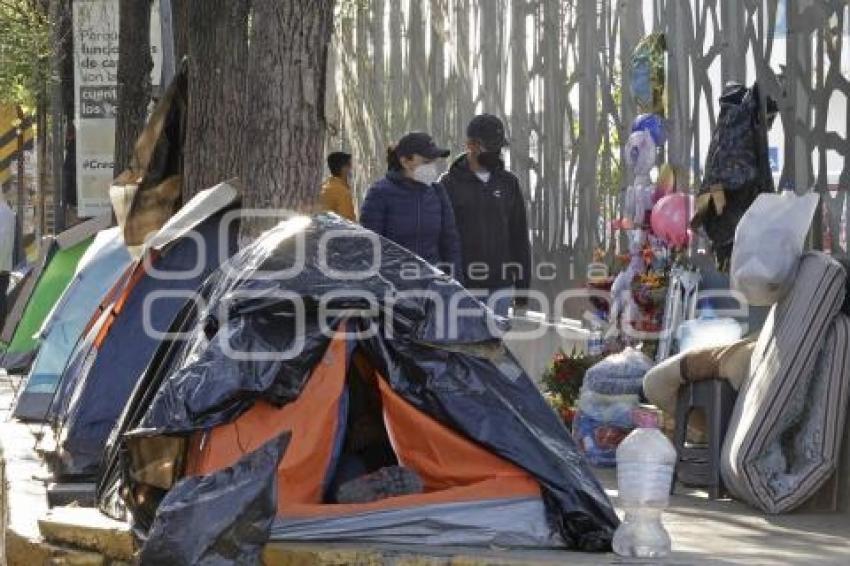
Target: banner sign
(96,39)
(95,101)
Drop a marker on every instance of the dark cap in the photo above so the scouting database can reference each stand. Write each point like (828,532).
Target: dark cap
(419,143)
(489,130)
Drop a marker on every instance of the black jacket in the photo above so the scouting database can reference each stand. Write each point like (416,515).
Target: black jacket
(492,225)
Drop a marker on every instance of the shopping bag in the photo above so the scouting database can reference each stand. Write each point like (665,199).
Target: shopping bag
(769,242)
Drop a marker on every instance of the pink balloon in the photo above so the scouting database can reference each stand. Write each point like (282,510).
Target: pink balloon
(670,218)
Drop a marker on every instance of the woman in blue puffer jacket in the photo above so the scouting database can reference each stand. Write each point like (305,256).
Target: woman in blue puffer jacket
(408,207)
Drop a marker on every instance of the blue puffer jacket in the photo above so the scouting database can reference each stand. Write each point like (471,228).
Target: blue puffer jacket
(416,216)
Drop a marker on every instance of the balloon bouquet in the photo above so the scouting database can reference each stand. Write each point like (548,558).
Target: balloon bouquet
(655,221)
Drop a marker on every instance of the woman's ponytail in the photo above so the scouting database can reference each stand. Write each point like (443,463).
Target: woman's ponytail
(393,162)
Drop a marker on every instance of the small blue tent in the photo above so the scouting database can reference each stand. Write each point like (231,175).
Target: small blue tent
(98,271)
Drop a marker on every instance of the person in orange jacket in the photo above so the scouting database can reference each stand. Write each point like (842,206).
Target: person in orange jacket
(336,192)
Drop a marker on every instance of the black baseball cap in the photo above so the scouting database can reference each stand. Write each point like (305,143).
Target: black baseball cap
(489,130)
(419,143)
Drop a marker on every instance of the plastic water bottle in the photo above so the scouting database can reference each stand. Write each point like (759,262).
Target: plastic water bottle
(645,462)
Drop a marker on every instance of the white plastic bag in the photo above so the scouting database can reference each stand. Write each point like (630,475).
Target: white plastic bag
(768,245)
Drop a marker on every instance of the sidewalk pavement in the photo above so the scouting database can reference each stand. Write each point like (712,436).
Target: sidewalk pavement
(703,531)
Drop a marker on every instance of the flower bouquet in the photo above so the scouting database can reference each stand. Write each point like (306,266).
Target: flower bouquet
(562,381)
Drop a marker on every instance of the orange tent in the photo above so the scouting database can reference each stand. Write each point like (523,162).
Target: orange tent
(452,468)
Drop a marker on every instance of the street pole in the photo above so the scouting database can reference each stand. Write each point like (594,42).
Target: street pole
(21,131)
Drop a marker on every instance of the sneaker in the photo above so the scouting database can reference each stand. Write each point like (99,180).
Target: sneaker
(387,482)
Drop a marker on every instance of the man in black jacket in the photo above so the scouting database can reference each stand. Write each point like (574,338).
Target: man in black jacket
(490,215)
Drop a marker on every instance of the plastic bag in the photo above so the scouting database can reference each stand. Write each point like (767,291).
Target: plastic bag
(236,507)
(619,373)
(599,440)
(609,395)
(768,245)
(612,409)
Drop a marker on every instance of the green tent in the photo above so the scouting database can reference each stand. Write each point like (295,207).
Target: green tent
(20,334)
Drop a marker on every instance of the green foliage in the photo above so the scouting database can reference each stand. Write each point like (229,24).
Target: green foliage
(24,50)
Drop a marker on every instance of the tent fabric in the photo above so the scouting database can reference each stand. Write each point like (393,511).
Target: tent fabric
(513,523)
(52,283)
(100,268)
(74,369)
(157,164)
(452,467)
(453,370)
(18,342)
(161,284)
(17,280)
(83,353)
(46,248)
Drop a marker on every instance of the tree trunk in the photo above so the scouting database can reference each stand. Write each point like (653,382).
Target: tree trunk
(398,111)
(465,104)
(134,78)
(417,65)
(437,72)
(588,143)
(180,28)
(286,127)
(215,133)
(520,126)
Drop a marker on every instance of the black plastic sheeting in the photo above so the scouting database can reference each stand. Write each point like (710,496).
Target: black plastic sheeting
(253,309)
(453,368)
(737,161)
(222,518)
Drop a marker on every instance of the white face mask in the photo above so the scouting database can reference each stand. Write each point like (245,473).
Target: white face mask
(426,173)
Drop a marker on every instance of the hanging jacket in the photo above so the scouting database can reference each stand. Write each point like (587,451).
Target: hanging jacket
(416,216)
(492,225)
(737,167)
